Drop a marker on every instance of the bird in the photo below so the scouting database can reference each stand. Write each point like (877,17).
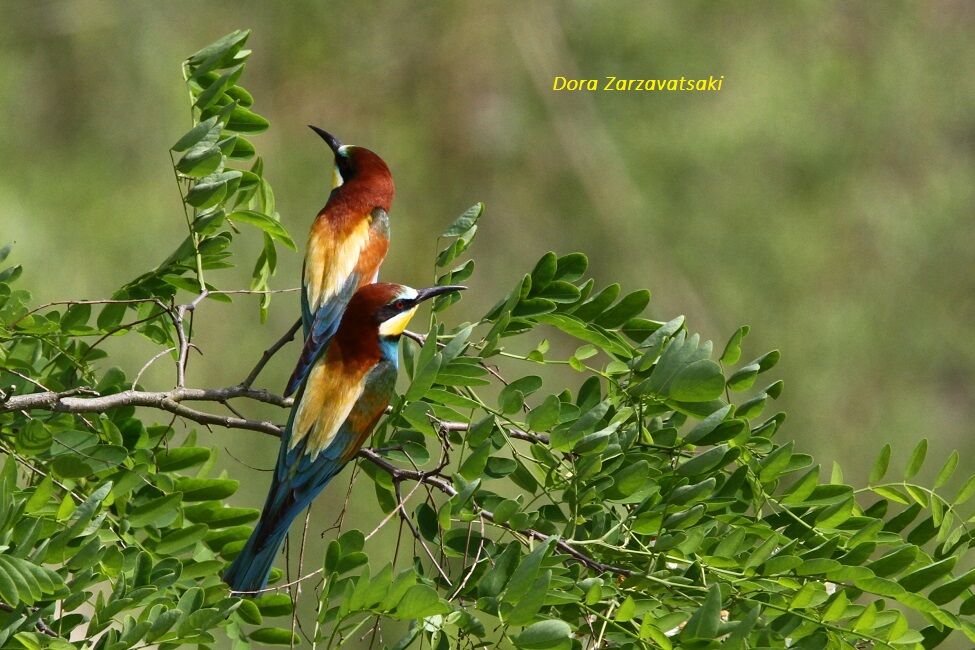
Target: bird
(346,246)
(335,410)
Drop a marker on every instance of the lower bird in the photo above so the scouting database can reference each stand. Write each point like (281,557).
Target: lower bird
(346,393)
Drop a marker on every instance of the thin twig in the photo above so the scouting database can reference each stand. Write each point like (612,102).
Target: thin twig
(252,292)
(41,626)
(297,590)
(124,326)
(270,352)
(417,536)
(47,305)
(400,507)
(443,484)
(138,376)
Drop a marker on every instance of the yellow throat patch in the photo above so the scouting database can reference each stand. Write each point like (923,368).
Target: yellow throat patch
(395,325)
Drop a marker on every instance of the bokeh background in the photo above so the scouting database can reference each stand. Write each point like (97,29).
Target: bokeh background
(825,195)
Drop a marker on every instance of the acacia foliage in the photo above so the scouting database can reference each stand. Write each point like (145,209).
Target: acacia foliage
(654,503)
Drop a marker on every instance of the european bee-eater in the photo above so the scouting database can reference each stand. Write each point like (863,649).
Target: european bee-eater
(347,244)
(335,410)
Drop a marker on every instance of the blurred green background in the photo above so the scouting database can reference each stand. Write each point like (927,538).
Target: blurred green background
(825,196)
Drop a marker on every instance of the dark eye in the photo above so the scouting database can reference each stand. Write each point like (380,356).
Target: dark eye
(399,305)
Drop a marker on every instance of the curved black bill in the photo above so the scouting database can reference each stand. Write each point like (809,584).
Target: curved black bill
(332,141)
(432,292)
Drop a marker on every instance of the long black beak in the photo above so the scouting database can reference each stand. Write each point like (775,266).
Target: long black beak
(332,141)
(432,292)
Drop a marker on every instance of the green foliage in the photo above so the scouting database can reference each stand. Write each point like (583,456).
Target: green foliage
(651,504)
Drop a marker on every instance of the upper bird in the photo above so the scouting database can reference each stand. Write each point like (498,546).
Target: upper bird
(335,410)
(346,246)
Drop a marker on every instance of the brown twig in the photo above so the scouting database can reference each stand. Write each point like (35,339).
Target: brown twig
(166,400)
(40,626)
(270,352)
(416,533)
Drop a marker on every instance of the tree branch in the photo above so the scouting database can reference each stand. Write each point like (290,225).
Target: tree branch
(40,625)
(165,400)
(171,401)
(270,352)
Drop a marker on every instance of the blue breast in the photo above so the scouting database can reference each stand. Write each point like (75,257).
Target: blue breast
(389,348)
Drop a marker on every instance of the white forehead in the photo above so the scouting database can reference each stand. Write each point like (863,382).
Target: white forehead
(408,293)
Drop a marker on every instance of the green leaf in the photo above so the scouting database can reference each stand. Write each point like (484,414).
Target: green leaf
(895,561)
(527,607)
(9,593)
(545,634)
(917,458)
(631,305)
(560,292)
(626,610)
(268,224)
(700,381)
(274,636)
(210,190)
(524,576)
(226,46)
(243,120)
(544,272)
(512,397)
(181,539)
(947,470)
(473,465)
(111,316)
(732,350)
(194,135)
(744,378)
(574,328)
(76,316)
(179,458)
(464,222)
(204,156)
(249,613)
(157,512)
(951,590)
(705,622)
(504,510)
(707,425)
(703,463)
(274,605)
(206,489)
(917,580)
(571,267)
(597,304)
(546,415)
(420,601)
(34,438)
(880,465)
(966,492)
(631,478)
(767,360)
(217,87)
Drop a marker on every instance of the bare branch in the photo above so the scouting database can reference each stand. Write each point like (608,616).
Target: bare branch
(270,352)
(167,401)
